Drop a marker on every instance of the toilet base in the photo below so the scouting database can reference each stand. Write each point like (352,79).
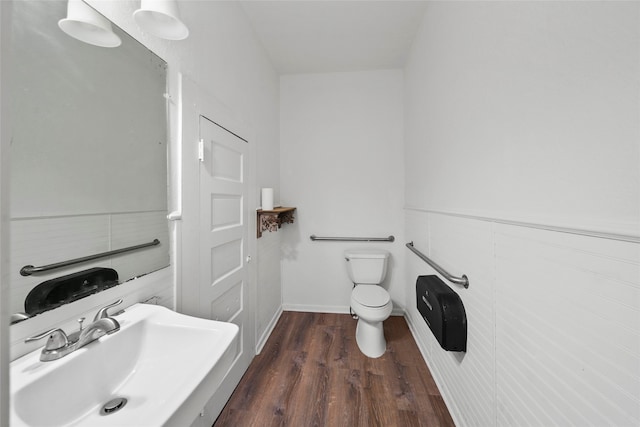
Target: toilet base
(370,338)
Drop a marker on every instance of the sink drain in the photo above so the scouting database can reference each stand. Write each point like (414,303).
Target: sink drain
(113,406)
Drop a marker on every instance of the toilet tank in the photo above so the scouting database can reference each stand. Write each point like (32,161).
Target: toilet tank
(366,266)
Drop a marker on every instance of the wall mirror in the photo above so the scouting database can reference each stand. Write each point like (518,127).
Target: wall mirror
(88,156)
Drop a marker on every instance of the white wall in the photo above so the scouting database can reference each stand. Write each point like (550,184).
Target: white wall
(530,110)
(5,33)
(522,171)
(341,159)
(269,286)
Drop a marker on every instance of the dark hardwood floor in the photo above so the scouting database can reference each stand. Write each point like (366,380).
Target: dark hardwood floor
(311,373)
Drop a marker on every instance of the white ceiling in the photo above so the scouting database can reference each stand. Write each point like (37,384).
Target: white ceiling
(303,36)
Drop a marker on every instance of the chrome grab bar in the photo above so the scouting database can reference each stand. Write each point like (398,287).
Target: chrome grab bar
(314,238)
(28,270)
(464,280)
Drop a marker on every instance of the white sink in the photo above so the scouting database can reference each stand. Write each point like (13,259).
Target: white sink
(167,365)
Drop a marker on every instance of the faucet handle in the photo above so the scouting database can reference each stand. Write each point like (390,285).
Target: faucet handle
(57,339)
(102,313)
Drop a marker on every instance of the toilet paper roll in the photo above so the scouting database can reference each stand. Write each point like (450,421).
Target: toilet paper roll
(267,199)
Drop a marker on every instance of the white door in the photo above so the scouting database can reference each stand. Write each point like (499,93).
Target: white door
(224,240)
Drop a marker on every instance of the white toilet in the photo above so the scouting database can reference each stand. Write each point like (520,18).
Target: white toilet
(370,301)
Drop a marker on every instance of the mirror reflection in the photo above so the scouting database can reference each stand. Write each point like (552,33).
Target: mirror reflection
(88,156)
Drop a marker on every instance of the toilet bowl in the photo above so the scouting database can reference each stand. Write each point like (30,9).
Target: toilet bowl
(369,301)
(373,306)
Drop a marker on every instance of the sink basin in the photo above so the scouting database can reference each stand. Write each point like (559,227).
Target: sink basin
(165,364)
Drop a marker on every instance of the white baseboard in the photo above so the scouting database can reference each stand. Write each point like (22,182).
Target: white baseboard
(397,311)
(268,330)
(341,309)
(444,392)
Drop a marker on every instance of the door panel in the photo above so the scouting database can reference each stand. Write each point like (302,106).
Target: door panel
(229,304)
(226,211)
(227,164)
(223,286)
(226,259)
(223,217)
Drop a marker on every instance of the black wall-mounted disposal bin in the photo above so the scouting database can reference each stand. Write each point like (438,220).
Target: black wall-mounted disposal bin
(443,311)
(65,289)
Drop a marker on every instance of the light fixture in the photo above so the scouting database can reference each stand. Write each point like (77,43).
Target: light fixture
(161,18)
(87,25)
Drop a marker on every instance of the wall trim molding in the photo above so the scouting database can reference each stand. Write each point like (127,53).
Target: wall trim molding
(316,308)
(620,232)
(338,309)
(268,330)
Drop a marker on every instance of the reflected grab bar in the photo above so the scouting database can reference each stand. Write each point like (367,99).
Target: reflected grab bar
(314,238)
(28,270)
(463,281)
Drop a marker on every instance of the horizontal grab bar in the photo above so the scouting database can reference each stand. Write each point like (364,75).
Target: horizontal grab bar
(314,238)
(28,270)
(464,280)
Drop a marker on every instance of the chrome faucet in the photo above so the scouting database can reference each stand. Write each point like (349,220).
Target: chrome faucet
(102,313)
(59,344)
(104,326)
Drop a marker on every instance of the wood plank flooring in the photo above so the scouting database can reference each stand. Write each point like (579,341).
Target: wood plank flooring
(311,373)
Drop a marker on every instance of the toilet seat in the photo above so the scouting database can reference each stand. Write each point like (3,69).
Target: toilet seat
(370,296)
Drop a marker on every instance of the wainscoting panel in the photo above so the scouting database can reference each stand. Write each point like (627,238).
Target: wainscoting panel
(461,247)
(567,319)
(553,318)
(464,247)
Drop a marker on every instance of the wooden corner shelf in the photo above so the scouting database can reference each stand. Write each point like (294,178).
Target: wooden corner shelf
(273,219)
